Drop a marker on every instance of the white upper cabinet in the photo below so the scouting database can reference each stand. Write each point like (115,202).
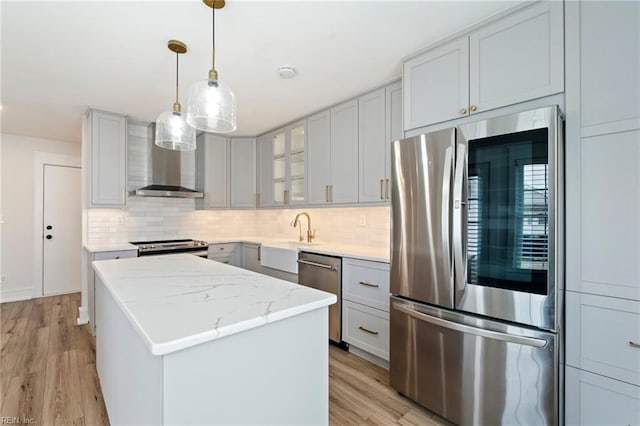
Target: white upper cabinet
(212,171)
(343,187)
(610,212)
(332,172)
(380,123)
(513,59)
(263,164)
(394,121)
(243,173)
(517,58)
(372,145)
(609,66)
(319,157)
(436,85)
(108,147)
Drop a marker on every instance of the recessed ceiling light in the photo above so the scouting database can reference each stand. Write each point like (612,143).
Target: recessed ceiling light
(287,71)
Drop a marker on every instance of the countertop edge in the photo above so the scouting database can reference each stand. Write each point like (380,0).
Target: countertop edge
(107,248)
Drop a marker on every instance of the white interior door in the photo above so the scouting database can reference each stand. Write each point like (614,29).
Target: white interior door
(61,230)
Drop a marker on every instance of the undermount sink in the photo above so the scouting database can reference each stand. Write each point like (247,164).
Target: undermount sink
(282,256)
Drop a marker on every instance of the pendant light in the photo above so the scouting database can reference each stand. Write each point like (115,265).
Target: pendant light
(212,105)
(172,131)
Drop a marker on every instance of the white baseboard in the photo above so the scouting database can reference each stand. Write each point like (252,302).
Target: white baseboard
(24,293)
(83,316)
(369,357)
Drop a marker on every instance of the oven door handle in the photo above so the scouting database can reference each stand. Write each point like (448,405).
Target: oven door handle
(319,265)
(463,328)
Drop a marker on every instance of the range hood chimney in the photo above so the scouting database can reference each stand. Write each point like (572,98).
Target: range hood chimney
(165,172)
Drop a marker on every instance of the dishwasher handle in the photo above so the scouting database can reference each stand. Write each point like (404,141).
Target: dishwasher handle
(319,265)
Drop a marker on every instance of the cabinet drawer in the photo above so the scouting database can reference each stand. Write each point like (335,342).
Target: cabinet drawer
(602,334)
(122,254)
(366,328)
(215,249)
(366,282)
(592,399)
(225,258)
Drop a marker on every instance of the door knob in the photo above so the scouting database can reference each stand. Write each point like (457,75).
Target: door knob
(49,227)
(49,237)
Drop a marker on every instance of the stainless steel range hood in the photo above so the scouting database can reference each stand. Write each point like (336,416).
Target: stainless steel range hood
(165,172)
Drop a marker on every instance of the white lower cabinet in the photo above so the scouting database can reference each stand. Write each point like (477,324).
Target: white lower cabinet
(365,306)
(91,289)
(366,328)
(603,336)
(251,257)
(224,253)
(592,399)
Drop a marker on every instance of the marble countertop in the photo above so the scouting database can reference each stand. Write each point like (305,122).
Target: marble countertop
(178,301)
(102,247)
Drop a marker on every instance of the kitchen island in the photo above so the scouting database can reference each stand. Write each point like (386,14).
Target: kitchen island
(184,340)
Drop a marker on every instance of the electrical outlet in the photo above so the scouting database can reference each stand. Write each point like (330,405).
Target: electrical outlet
(363,220)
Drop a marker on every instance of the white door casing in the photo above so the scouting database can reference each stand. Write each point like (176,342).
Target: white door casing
(61,246)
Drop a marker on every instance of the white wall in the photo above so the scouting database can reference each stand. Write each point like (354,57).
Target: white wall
(17,194)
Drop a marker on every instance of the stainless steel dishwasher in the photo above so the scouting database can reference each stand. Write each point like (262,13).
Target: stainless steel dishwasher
(324,273)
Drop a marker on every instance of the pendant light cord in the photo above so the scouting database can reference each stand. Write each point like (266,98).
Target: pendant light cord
(213,37)
(177,70)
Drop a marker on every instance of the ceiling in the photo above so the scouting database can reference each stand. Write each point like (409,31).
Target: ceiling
(59,58)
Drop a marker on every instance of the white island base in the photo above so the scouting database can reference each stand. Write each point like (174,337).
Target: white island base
(273,374)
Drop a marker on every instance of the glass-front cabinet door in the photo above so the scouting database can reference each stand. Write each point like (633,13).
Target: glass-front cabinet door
(296,165)
(288,156)
(279,167)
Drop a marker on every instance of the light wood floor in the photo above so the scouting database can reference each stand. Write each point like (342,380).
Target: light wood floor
(48,374)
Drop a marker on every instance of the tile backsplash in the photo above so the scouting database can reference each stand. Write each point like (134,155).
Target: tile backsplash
(168,218)
(150,218)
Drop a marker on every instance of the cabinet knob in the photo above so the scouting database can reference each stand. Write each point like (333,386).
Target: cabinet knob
(473,108)
(49,227)
(49,237)
(634,345)
(117,257)
(463,111)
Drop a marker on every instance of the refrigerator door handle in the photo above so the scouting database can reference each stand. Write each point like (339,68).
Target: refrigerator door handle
(458,252)
(509,338)
(446,202)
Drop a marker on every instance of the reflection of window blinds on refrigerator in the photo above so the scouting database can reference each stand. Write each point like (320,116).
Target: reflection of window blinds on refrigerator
(473,226)
(532,216)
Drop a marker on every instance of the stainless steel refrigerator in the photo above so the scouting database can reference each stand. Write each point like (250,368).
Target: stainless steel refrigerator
(477,269)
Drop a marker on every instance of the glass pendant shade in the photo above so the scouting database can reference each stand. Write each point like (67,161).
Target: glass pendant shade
(211,107)
(173,132)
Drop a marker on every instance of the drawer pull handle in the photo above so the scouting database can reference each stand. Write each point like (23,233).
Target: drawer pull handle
(369,284)
(366,330)
(634,345)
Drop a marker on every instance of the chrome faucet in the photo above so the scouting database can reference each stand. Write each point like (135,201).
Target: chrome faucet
(296,222)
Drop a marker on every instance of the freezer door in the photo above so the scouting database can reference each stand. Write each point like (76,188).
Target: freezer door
(422,171)
(473,371)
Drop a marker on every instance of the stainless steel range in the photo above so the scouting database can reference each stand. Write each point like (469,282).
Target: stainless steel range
(152,248)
